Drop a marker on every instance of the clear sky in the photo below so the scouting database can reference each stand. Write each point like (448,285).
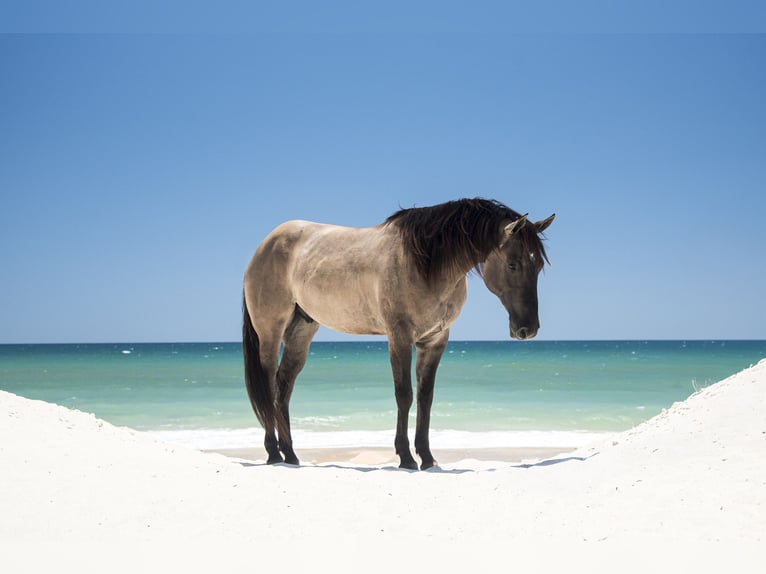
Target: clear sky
(138,173)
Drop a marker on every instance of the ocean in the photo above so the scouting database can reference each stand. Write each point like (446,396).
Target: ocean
(488,393)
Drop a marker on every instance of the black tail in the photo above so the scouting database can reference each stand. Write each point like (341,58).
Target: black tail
(257,383)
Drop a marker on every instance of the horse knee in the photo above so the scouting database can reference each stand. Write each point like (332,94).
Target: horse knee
(403,395)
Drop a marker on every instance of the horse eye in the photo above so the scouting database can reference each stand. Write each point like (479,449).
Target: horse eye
(513,265)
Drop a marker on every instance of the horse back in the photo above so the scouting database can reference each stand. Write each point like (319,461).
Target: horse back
(353,280)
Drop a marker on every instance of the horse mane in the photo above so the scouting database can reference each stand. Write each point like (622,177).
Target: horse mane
(459,235)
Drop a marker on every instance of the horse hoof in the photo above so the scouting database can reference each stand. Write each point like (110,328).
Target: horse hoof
(427,465)
(274,459)
(410,465)
(293,460)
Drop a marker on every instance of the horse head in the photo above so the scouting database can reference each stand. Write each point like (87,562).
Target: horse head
(511,270)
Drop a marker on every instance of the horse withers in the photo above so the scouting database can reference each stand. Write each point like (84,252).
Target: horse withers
(404,278)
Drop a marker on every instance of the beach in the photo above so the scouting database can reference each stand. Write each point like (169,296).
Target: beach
(371,455)
(685,489)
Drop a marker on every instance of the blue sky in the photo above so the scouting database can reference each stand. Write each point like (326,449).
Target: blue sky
(138,172)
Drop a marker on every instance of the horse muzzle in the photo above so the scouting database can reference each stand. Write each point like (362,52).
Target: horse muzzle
(524,332)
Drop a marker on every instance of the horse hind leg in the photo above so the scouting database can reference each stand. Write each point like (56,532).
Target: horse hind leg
(297,340)
(270,358)
(261,354)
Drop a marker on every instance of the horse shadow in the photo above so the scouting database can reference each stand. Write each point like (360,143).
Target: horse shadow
(553,461)
(354,467)
(433,470)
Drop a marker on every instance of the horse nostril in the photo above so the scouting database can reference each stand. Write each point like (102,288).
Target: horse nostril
(521,333)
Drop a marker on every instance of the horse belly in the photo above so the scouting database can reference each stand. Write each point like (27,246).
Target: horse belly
(343,301)
(348,310)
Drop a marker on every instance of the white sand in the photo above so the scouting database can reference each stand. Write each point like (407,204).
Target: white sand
(683,492)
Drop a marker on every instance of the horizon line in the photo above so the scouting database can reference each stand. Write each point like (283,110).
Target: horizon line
(385,340)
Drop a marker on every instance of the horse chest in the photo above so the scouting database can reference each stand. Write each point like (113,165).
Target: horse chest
(435,311)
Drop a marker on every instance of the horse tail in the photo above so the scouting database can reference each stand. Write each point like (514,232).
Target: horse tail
(256,381)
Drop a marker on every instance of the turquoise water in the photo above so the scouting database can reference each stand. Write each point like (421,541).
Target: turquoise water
(506,387)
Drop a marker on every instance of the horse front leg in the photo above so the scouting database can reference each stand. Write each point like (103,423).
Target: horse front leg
(401,364)
(429,353)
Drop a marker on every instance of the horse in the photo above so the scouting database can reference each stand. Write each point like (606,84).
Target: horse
(404,278)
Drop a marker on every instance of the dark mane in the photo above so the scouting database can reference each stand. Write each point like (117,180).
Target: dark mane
(456,236)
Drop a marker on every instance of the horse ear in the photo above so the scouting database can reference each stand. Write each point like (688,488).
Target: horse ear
(541,226)
(514,226)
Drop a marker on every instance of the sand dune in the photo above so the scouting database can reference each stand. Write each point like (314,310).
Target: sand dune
(684,491)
